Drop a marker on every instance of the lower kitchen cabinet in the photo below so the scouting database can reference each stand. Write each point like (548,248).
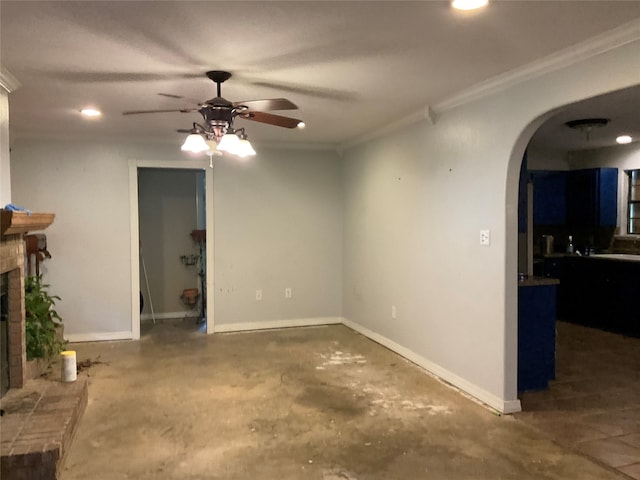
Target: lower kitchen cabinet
(536,333)
(601,292)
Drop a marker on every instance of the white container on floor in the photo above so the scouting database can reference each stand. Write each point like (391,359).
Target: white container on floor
(69,369)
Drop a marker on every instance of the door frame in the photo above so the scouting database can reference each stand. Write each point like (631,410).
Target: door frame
(189,164)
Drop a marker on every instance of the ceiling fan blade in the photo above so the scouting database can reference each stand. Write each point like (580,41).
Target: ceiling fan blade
(171,95)
(271,119)
(108,77)
(310,91)
(269,104)
(181,97)
(182,110)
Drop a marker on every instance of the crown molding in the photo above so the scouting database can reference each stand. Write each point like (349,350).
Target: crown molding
(602,43)
(617,37)
(427,113)
(8,82)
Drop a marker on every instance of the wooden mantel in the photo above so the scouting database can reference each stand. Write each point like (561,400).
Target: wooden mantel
(21,222)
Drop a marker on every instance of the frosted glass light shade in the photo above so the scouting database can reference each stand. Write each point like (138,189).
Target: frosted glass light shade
(195,144)
(469,4)
(229,143)
(245,149)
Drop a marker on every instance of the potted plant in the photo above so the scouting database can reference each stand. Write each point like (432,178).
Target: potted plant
(43,324)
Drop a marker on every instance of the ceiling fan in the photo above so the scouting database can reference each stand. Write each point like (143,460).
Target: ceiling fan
(219,114)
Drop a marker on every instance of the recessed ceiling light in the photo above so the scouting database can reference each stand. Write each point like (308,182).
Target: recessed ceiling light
(622,139)
(90,112)
(469,4)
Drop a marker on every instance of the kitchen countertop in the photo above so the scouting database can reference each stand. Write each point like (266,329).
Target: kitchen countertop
(621,257)
(538,282)
(625,257)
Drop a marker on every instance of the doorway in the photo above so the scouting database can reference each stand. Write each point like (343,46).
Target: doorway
(171,242)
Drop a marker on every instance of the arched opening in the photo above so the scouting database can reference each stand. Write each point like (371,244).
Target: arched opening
(576,193)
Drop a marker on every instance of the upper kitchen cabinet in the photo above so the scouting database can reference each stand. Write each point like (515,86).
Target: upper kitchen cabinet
(591,198)
(549,198)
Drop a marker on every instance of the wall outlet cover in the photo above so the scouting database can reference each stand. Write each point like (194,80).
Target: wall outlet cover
(485,237)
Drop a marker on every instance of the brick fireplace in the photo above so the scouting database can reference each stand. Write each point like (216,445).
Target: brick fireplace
(12,270)
(12,264)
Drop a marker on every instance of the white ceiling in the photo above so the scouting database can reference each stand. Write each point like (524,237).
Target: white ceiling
(351,67)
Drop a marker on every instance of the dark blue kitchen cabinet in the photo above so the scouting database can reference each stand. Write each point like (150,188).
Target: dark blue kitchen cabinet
(601,292)
(549,198)
(578,198)
(536,334)
(608,201)
(592,196)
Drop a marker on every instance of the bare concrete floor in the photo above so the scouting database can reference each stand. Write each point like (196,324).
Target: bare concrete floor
(314,403)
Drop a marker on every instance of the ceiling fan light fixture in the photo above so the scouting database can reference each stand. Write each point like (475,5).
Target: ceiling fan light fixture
(213,146)
(587,125)
(301,125)
(469,4)
(245,149)
(194,144)
(229,143)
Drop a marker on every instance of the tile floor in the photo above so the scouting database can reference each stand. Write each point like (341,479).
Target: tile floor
(593,406)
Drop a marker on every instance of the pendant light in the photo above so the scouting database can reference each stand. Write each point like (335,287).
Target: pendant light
(194,144)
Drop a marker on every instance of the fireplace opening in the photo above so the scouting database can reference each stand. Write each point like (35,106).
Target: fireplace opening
(4,334)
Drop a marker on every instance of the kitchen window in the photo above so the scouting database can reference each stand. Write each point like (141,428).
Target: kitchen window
(633,216)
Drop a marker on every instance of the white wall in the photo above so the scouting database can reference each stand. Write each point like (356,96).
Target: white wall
(278,223)
(413,213)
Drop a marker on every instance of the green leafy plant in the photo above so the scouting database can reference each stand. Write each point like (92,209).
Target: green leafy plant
(43,323)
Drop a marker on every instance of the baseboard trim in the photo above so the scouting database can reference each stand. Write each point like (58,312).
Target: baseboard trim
(170,315)
(289,323)
(449,378)
(98,336)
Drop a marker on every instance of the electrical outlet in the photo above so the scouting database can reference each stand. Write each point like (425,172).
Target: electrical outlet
(258,295)
(287,292)
(485,237)
(393,312)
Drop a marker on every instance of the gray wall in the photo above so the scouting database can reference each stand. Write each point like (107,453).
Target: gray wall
(87,186)
(167,215)
(5,164)
(413,206)
(277,224)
